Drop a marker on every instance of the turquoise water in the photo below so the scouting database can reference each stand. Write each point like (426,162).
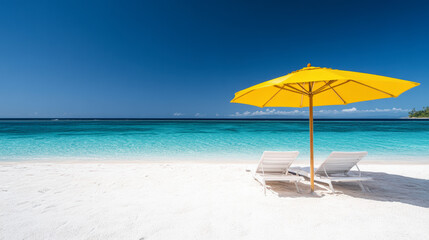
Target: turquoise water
(207,140)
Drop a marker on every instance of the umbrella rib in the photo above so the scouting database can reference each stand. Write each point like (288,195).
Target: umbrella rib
(357,83)
(310,88)
(300,92)
(324,90)
(336,93)
(373,88)
(303,88)
(271,98)
(324,86)
(243,95)
(296,89)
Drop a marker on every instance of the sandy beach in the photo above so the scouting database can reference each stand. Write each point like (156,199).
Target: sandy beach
(146,120)
(188,200)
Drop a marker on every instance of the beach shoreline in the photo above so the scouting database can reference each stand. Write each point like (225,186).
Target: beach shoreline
(201,200)
(299,162)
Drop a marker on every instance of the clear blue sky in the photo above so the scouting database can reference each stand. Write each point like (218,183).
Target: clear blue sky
(158,58)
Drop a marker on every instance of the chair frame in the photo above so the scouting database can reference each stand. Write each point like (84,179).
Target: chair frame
(276,176)
(346,177)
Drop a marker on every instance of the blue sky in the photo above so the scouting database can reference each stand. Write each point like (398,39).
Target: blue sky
(188,58)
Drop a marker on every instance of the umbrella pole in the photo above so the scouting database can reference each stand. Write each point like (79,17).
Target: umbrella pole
(311,143)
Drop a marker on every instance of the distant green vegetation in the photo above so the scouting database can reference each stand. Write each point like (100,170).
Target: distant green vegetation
(419,114)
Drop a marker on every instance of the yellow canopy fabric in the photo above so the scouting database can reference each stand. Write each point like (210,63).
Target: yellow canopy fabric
(316,86)
(328,87)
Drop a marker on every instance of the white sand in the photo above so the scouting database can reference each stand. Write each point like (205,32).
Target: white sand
(203,201)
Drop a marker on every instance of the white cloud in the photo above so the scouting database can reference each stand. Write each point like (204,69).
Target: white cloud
(177,114)
(268,112)
(353,109)
(346,111)
(377,110)
(327,111)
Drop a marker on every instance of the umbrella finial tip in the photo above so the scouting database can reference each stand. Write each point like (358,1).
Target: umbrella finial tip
(308,65)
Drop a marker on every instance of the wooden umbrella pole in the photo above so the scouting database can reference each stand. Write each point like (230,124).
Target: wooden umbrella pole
(311,143)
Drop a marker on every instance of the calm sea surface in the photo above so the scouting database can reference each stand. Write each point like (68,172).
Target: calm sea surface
(207,140)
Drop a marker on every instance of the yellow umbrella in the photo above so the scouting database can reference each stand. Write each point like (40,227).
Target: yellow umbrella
(316,86)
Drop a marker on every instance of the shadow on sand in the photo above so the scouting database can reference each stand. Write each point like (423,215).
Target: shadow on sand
(384,187)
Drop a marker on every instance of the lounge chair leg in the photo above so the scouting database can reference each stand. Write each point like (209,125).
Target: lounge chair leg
(361,186)
(265,189)
(331,187)
(297,188)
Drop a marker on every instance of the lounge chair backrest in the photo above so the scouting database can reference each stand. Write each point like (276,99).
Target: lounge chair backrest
(340,163)
(276,162)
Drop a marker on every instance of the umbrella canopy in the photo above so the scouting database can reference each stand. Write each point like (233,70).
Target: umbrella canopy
(316,86)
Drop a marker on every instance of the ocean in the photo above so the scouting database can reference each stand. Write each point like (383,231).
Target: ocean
(208,140)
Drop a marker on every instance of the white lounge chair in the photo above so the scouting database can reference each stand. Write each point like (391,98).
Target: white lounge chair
(273,167)
(336,168)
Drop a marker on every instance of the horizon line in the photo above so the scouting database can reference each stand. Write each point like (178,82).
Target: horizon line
(215,119)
